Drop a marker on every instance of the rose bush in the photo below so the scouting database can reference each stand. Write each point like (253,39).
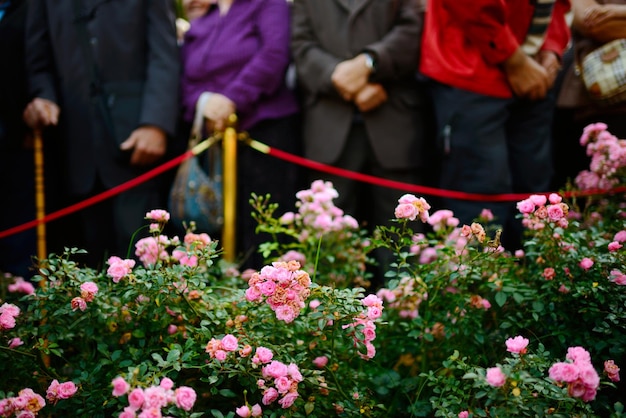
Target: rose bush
(461,328)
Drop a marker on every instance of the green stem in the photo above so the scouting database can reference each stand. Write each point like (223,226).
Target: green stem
(14,351)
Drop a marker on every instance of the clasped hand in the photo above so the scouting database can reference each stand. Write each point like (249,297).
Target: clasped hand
(532,78)
(351,80)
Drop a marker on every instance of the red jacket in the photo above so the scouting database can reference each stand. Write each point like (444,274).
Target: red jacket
(465,41)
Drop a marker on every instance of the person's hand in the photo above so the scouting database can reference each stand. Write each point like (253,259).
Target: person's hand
(550,61)
(370,97)
(148,145)
(350,76)
(527,78)
(216,110)
(40,113)
(602,13)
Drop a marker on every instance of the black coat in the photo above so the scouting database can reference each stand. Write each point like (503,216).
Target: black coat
(13,91)
(133,43)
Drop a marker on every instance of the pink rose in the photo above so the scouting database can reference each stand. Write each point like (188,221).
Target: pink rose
(294,372)
(269,396)
(620,236)
(495,377)
(525,206)
(7,321)
(119,268)
(614,246)
(406,211)
(320,362)
(154,397)
(578,355)
(563,372)
(618,277)
(288,399)
(245,351)
(120,387)
(283,384)
(243,411)
(486,215)
(549,273)
(78,303)
(611,370)
(314,304)
(262,355)
(257,411)
(538,199)
(166,383)
(229,343)
(15,342)
(128,413)
(588,375)
(51,392)
(275,369)
(586,263)
(20,285)
(517,345)
(158,215)
(88,290)
(152,412)
(136,398)
(9,309)
(554,198)
(463,414)
(555,212)
(185,398)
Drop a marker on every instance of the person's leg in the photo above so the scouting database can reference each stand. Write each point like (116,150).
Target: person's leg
(96,226)
(354,157)
(18,207)
(529,139)
(265,174)
(472,139)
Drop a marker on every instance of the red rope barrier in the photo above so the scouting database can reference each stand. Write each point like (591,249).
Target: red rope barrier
(265,149)
(424,190)
(100,197)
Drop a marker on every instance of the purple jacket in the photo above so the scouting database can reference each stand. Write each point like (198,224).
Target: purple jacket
(243,55)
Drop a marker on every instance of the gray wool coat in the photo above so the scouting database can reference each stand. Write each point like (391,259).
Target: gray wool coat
(326,32)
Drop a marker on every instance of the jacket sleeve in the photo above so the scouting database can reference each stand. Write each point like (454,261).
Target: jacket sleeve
(314,65)
(265,72)
(397,52)
(160,95)
(558,34)
(39,59)
(484,22)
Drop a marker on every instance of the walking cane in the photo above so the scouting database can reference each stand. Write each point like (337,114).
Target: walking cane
(40,208)
(40,196)
(229,143)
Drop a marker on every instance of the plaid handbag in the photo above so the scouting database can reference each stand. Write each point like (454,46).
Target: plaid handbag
(603,72)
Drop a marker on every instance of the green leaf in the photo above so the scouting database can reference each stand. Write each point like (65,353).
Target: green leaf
(227,393)
(173,356)
(501,298)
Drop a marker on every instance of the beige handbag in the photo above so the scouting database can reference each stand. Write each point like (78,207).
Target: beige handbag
(603,72)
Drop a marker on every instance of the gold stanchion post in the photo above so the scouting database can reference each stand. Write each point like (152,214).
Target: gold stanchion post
(229,143)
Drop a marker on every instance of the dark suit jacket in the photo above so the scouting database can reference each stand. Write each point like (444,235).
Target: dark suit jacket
(134,47)
(326,32)
(13,92)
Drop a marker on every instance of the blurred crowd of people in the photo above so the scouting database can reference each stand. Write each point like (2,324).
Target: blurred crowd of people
(479,97)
